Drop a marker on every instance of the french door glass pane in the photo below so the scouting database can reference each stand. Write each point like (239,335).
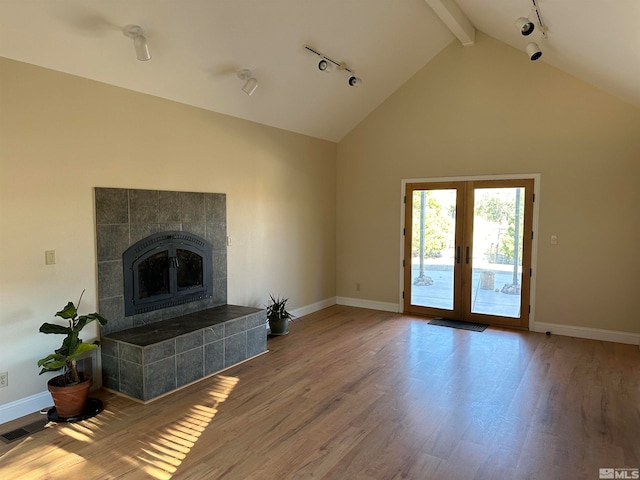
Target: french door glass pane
(497,251)
(432,248)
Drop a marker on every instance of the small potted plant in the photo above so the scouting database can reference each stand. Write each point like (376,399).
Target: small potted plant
(69,390)
(277,316)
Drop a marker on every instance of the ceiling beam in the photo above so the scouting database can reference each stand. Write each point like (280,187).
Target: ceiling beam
(455,19)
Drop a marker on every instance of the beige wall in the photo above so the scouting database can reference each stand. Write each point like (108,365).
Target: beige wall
(482,110)
(61,136)
(486,110)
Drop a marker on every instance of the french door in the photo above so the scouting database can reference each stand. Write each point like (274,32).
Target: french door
(467,250)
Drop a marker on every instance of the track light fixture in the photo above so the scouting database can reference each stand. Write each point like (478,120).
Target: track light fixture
(526,28)
(326,64)
(533,51)
(250,83)
(139,41)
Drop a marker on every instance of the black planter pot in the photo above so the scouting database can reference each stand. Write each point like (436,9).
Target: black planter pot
(279,326)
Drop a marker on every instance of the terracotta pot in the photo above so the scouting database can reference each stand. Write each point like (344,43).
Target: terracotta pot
(69,400)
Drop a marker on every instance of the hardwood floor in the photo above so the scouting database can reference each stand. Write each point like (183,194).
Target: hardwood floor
(361,394)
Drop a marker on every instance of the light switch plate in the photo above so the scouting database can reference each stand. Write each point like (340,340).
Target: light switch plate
(50,257)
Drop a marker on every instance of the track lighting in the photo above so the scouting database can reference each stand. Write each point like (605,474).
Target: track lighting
(326,64)
(139,41)
(524,26)
(354,81)
(533,51)
(250,83)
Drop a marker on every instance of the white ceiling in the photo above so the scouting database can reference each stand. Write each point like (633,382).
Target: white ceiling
(199,45)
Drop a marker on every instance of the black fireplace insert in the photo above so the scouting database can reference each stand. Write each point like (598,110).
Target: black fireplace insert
(166,269)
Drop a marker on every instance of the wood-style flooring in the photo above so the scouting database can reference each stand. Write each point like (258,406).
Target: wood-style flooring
(359,394)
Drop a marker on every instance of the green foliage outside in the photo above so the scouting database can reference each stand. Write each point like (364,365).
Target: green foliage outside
(499,208)
(438,224)
(502,211)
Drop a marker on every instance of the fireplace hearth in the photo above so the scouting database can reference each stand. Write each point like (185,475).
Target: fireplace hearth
(151,360)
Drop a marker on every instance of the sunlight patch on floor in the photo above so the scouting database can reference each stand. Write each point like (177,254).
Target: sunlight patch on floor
(80,434)
(161,457)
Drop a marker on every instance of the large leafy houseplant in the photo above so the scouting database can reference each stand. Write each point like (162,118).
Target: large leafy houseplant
(278,316)
(64,358)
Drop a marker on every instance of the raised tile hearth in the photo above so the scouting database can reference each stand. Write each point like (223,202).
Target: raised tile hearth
(152,360)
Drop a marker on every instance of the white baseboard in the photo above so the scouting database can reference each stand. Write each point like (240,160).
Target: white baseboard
(555,328)
(25,406)
(314,307)
(373,305)
(347,301)
(590,333)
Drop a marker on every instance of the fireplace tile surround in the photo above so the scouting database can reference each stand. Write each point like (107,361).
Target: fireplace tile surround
(125,216)
(150,354)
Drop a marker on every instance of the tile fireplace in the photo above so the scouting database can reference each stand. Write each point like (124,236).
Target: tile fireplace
(162,283)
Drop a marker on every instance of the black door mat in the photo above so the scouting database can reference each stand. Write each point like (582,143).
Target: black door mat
(25,431)
(444,322)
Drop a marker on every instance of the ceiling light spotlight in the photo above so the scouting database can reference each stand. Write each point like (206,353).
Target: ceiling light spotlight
(354,81)
(250,84)
(324,65)
(533,51)
(139,41)
(525,26)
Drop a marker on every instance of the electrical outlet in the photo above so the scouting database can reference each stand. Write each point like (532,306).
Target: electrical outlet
(4,379)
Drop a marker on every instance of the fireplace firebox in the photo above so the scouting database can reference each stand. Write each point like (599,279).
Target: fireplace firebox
(166,269)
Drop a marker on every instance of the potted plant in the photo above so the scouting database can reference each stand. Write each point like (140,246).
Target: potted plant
(69,390)
(277,316)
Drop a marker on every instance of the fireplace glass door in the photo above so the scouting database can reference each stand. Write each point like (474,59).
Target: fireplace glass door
(166,269)
(189,270)
(153,275)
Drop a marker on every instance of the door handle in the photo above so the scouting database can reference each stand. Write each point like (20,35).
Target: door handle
(458,254)
(467,255)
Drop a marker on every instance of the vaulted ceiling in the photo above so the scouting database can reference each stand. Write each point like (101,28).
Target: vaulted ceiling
(198,46)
